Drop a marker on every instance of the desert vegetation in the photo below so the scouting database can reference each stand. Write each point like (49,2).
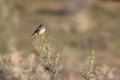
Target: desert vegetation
(81,42)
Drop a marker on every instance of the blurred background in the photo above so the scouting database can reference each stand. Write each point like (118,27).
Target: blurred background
(77,27)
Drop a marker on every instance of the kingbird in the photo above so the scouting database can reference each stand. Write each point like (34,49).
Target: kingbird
(40,30)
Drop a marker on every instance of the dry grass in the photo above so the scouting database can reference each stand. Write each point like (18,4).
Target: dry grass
(43,65)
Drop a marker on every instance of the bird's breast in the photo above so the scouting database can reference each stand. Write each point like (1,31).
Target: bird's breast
(42,31)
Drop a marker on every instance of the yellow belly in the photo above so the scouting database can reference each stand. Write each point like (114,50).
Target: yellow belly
(41,31)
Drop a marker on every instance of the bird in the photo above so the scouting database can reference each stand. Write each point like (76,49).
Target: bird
(39,30)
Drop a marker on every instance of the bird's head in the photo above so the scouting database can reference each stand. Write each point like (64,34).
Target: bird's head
(41,25)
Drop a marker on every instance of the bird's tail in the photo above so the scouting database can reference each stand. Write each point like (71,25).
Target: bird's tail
(34,34)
